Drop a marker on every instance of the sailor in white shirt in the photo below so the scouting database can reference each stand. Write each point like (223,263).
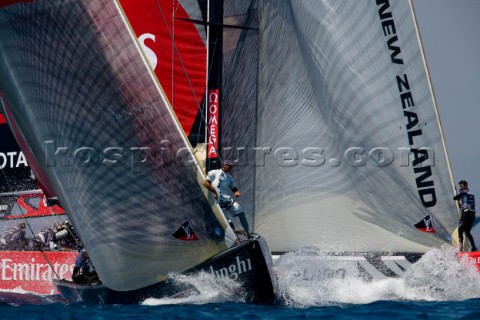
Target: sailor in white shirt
(220,183)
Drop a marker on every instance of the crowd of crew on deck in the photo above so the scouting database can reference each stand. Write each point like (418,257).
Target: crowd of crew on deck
(60,236)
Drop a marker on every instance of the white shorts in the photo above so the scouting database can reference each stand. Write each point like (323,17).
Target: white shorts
(231,207)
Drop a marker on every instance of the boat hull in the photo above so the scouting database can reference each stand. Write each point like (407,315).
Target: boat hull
(303,267)
(249,263)
(473,257)
(374,266)
(33,271)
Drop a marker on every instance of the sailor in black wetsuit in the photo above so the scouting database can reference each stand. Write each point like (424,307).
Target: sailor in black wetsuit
(466,201)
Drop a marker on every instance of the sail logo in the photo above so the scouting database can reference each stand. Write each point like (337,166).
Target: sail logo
(233,270)
(186,232)
(389,29)
(149,53)
(423,173)
(11,271)
(212,124)
(426,224)
(12,159)
(429,226)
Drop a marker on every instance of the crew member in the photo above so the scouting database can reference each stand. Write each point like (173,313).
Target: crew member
(14,238)
(84,271)
(221,183)
(43,238)
(466,200)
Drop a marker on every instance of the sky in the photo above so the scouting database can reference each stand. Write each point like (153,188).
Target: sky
(449,30)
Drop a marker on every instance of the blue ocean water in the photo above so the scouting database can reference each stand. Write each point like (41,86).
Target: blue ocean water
(439,286)
(468,309)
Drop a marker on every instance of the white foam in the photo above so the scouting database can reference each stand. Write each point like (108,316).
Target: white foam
(16,290)
(201,288)
(438,276)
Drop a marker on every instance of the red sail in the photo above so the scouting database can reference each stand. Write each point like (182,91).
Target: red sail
(183,77)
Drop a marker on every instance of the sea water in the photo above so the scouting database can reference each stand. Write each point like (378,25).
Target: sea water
(438,286)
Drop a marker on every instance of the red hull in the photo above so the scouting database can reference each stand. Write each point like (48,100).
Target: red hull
(30,271)
(473,256)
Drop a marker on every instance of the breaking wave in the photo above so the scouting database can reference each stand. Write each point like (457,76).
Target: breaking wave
(320,281)
(200,288)
(438,276)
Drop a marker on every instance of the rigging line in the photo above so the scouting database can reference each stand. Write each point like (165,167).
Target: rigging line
(228,26)
(175,8)
(49,263)
(241,39)
(202,111)
(43,254)
(199,106)
(244,29)
(174,47)
(254,193)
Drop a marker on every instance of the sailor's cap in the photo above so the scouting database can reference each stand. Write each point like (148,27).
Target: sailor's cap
(227,162)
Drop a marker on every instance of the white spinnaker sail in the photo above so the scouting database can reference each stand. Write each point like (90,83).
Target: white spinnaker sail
(89,107)
(344,113)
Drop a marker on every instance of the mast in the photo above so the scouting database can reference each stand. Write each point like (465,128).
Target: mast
(214,82)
